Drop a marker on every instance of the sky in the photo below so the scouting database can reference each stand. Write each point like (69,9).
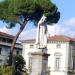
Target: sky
(65,26)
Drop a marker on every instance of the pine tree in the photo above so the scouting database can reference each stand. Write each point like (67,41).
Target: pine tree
(22,11)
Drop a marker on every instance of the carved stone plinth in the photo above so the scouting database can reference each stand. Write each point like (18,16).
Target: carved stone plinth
(38,62)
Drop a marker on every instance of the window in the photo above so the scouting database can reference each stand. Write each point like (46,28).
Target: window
(57,63)
(57,60)
(3,40)
(31,46)
(30,64)
(73,63)
(9,40)
(0,50)
(0,62)
(58,46)
(17,52)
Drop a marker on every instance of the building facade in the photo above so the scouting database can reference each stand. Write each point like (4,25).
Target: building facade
(61,60)
(62,54)
(5,45)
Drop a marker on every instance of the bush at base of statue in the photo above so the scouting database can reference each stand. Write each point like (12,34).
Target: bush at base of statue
(5,70)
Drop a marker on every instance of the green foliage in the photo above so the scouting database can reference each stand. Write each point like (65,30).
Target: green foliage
(5,70)
(19,64)
(10,10)
(50,10)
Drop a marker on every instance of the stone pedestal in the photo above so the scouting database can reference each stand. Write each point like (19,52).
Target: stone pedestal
(38,63)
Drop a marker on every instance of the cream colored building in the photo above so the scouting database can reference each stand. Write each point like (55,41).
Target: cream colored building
(62,54)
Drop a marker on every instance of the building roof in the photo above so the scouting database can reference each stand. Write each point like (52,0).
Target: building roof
(53,38)
(61,38)
(5,35)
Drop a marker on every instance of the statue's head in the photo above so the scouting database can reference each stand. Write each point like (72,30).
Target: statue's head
(43,19)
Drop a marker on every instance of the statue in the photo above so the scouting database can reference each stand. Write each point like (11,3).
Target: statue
(41,50)
(41,38)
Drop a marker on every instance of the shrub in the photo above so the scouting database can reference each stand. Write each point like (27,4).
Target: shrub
(5,70)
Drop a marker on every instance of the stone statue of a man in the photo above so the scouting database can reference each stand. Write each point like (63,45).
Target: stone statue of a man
(41,38)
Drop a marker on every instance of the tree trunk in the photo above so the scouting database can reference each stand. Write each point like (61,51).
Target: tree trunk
(17,35)
(11,57)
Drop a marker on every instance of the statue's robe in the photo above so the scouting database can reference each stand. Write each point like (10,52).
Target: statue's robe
(41,38)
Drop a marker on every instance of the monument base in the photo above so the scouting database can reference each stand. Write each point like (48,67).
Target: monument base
(38,63)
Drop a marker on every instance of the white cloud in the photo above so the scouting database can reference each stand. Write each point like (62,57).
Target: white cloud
(30,34)
(12,31)
(70,22)
(52,30)
(66,28)
(56,30)
(4,29)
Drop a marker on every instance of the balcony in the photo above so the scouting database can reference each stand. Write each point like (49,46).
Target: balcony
(9,44)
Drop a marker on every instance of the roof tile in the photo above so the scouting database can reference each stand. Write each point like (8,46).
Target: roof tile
(2,34)
(60,38)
